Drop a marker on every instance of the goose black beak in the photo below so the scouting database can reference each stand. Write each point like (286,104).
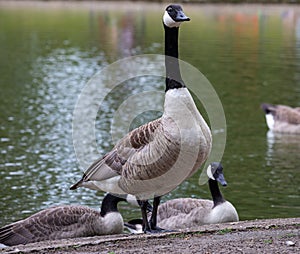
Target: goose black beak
(221,179)
(180,17)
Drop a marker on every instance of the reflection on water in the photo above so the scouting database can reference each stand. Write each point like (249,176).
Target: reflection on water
(249,53)
(39,136)
(280,146)
(283,150)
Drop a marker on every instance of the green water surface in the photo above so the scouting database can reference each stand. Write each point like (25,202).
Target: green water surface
(48,52)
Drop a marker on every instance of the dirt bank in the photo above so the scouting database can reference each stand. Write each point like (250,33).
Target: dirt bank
(259,236)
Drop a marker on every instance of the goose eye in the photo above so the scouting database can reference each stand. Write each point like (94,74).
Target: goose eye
(171,11)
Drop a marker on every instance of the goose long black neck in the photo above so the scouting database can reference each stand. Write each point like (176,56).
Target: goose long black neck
(110,204)
(215,192)
(173,75)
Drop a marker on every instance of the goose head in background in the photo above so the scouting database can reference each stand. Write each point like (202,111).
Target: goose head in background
(174,16)
(184,213)
(282,118)
(65,221)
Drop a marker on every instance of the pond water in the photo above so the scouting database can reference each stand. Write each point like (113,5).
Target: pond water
(49,51)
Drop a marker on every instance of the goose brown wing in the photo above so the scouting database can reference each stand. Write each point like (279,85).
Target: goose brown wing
(108,166)
(28,230)
(15,234)
(122,159)
(50,224)
(175,207)
(287,114)
(183,213)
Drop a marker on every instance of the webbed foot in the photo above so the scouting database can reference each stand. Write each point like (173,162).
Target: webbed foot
(157,230)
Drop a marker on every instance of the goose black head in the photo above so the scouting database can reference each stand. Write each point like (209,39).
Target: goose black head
(174,16)
(267,108)
(215,172)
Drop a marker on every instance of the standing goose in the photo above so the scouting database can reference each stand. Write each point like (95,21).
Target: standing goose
(183,213)
(155,158)
(63,222)
(281,118)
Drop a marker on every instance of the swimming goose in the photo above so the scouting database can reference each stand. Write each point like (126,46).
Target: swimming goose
(64,221)
(281,118)
(155,158)
(182,213)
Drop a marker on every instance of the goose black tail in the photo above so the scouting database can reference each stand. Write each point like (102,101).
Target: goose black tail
(76,185)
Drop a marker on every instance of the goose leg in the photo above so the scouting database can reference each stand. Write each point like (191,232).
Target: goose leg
(153,219)
(148,205)
(151,226)
(144,204)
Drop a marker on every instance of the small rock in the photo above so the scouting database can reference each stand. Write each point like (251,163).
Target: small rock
(290,243)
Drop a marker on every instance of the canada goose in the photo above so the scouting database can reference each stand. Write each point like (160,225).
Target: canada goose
(182,213)
(281,118)
(64,221)
(155,158)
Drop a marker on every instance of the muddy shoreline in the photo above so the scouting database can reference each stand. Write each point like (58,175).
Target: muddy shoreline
(257,236)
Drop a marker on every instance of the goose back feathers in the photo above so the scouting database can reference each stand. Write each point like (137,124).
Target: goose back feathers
(63,222)
(282,118)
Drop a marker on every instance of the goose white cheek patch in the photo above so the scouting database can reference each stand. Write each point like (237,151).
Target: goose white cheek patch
(169,22)
(209,173)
